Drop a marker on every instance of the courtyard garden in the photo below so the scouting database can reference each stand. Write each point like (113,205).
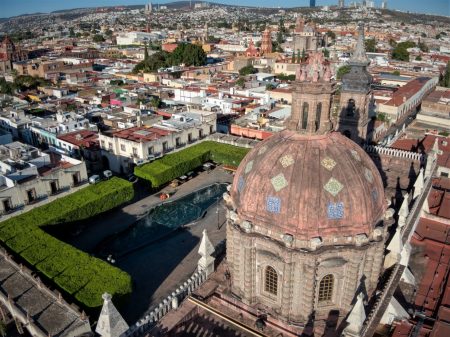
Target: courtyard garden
(79,274)
(174,165)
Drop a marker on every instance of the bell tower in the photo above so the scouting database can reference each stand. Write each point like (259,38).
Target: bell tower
(356,96)
(312,97)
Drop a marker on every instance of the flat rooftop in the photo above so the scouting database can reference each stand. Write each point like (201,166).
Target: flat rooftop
(141,134)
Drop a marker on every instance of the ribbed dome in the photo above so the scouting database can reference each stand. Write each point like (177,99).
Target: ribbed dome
(309,186)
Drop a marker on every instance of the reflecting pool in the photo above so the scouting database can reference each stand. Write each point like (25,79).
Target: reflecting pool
(161,221)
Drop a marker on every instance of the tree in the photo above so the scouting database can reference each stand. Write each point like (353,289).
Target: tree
(189,54)
(284,77)
(240,82)
(155,102)
(281,30)
(400,51)
(71,32)
(419,58)
(270,86)
(445,79)
(303,54)
(6,87)
(423,35)
(293,57)
(342,71)
(247,70)
(146,56)
(331,35)
(326,53)
(423,47)
(98,38)
(371,45)
(396,73)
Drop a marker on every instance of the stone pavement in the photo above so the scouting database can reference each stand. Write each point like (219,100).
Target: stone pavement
(159,268)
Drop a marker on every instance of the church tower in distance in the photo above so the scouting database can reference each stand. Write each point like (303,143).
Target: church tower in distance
(354,120)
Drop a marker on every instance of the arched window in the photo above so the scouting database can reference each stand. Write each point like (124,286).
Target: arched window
(271,281)
(305,115)
(326,288)
(318,115)
(351,107)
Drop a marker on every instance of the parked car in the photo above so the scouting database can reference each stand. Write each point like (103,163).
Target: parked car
(107,174)
(94,179)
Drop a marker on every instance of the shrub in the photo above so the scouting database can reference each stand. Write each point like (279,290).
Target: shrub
(70,269)
(176,164)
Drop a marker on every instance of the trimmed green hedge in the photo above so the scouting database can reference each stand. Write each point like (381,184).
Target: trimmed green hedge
(176,164)
(78,273)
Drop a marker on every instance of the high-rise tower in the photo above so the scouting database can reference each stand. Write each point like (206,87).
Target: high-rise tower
(312,3)
(356,95)
(341,4)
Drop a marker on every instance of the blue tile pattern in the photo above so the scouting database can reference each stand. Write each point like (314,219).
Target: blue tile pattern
(273,204)
(375,195)
(335,210)
(241,184)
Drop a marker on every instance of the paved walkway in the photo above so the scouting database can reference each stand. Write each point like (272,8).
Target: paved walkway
(159,268)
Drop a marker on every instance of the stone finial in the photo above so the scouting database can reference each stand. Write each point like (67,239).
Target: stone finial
(206,249)
(431,158)
(405,253)
(404,208)
(396,244)
(356,317)
(110,323)
(418,185)
(395,248)
(425,206)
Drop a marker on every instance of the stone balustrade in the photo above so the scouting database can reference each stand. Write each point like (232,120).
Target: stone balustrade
(169,303)
(395,153)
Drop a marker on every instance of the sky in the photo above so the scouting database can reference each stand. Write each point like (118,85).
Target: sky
(17,7)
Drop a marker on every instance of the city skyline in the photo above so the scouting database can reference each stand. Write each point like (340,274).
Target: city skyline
(14,8)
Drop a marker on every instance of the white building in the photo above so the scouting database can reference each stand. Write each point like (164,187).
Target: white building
(406,99)
(28,176)
(124,149)
(130,38)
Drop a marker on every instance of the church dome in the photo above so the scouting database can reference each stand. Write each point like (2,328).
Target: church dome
(309,186)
